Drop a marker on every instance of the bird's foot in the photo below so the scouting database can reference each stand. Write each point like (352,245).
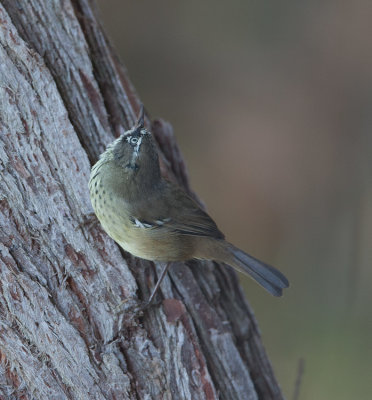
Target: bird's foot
(139,308)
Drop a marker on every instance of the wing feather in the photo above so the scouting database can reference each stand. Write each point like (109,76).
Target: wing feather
(174,212)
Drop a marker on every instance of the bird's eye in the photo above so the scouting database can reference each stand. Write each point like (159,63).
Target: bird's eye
(133,140)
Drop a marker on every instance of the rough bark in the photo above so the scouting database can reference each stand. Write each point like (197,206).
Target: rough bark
(66,289)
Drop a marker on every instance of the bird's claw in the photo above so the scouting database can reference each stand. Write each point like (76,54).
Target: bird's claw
(140,308)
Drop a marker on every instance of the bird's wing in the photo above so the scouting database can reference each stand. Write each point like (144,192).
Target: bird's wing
(171,210)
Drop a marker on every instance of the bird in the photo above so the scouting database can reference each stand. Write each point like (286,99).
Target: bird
(155,219)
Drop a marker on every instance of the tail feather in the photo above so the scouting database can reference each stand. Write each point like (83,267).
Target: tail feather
(267,276)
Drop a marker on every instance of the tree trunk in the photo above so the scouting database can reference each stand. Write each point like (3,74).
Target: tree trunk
(66,331)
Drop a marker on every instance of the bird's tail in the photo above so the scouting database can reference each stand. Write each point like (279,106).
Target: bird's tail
(267,276)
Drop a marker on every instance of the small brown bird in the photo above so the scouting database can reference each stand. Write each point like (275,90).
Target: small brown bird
(155,219)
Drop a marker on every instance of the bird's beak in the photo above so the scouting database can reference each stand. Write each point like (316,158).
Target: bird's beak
(141,119)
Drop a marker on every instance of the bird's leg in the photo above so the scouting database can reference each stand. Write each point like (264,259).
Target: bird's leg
(161,277)
(140,308)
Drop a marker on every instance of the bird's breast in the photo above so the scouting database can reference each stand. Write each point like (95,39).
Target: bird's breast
(113,210)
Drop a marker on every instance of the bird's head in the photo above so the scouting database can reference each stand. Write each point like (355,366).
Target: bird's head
(135,150)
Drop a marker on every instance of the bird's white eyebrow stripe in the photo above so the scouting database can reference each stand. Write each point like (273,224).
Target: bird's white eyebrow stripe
(136,150)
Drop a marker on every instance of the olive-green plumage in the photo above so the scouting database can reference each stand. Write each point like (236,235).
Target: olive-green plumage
(155,219)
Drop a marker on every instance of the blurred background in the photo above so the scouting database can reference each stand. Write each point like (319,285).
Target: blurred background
(271,104)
